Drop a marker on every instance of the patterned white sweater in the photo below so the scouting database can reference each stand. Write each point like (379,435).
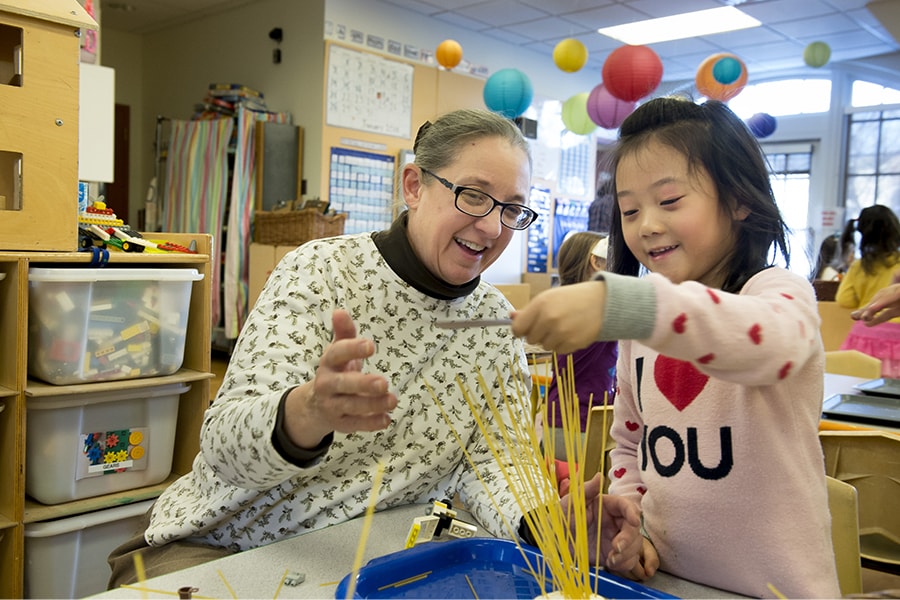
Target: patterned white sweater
(242,494)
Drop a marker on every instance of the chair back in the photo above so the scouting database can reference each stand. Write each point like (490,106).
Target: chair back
(870,462)
(835,325)
(842,503)
(853,363)
(596,451)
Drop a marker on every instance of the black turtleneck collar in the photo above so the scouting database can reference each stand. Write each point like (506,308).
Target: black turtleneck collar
(394,246)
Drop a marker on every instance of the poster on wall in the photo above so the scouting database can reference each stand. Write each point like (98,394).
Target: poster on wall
(368,93)
(362,185)
(568,216)
(539,232)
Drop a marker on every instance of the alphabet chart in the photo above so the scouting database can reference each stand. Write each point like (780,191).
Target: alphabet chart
(368,93)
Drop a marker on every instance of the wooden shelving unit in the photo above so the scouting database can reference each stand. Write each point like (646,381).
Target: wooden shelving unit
(15,388)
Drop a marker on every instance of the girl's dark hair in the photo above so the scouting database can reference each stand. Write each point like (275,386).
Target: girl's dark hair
(830,255)
(715,140)
(573,262)
(879,242)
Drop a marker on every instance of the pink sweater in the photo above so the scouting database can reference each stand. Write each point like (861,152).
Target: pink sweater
(716,424)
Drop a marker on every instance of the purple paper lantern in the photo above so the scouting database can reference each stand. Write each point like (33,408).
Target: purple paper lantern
(606,110)
(508,92)
(762,124)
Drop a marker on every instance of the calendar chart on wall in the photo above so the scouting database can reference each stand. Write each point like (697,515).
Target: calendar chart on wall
(368,93)
(362,185)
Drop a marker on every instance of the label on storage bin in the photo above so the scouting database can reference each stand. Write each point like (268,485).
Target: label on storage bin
(110,452)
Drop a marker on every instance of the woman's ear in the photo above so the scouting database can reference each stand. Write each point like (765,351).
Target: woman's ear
(411,182)
(740,213)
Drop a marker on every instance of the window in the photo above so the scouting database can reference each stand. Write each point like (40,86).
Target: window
(865,93)
(789,168)
(783,97)
(872,166)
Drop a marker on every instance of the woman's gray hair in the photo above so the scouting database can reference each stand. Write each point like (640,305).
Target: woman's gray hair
(439,143)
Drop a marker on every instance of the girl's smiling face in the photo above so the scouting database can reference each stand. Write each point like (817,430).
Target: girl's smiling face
(454,246)
(672,220)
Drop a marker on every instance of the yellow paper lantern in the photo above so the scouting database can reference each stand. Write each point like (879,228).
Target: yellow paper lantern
(570,55)
(449,53)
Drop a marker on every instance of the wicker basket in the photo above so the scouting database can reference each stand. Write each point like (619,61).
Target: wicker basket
(295,227)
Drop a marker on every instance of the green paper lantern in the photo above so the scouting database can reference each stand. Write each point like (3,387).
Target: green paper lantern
(816,54)
(575,115)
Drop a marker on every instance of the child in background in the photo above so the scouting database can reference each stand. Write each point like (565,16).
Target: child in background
(876,268)
(581,255)
(829,260)
(720,371)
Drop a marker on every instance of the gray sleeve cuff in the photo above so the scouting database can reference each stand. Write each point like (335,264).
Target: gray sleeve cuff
(630,312)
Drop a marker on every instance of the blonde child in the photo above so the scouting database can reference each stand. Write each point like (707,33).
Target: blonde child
(720,370)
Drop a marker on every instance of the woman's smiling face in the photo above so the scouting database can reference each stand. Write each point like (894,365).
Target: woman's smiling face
(454,246)
(672,220)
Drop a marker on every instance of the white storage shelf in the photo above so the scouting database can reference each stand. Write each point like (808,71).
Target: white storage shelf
(186,391)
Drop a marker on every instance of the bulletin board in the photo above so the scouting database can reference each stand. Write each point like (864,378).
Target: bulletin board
(433,91)
(362,185)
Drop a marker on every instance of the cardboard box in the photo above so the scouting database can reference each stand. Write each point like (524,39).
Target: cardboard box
(263,259)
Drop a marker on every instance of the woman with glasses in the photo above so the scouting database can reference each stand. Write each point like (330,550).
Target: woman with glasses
(334,371)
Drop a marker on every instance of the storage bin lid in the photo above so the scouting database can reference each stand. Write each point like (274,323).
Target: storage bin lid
(86,520)
(90,274)
(70,400)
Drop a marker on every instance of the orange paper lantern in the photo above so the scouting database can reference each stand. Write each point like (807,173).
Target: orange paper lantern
(449,53)
(707,84)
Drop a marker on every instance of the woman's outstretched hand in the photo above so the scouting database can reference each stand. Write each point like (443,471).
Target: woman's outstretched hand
(340,397)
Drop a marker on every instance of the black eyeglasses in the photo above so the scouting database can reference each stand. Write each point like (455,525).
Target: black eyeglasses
(476,203)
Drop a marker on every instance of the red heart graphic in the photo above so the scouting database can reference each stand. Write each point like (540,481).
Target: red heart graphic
(712,294)
(641,490)
(631,426)
(678,380)
(755,334)
(678,323)
(706,358)
(783,372)
(618,473)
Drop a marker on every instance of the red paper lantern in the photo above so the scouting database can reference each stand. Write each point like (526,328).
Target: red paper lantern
(606,110)
(449,53)
(707,84)
(632,72)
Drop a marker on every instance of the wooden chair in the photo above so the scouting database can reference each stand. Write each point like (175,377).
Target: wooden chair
(853,363)
(842,503)
(870,462)
(836,324)
(594,442)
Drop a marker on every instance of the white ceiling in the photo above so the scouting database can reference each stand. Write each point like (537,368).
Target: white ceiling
(847,26)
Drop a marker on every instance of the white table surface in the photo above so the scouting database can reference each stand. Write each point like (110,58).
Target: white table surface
(325,557)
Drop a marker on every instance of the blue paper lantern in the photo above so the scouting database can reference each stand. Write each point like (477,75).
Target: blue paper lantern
(508,92)
(762,124)
(727,70)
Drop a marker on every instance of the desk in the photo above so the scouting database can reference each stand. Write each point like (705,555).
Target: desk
(325,557)
(843,384)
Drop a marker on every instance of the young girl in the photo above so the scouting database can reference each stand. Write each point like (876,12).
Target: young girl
(879,262)
(720,370)
(582,255)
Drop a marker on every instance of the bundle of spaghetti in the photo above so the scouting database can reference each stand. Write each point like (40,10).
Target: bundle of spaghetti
(559,528)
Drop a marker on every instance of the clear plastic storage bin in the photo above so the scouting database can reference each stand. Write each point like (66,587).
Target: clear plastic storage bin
(84,445)
(102,324)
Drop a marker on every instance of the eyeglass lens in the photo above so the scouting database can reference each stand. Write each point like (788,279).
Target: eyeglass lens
(478,204)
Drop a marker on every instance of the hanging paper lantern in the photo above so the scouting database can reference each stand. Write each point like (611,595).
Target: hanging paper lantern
(448,53)
(727,70)
(570,55)
(762,124)
(707,84)
(606,110)
(816,54)
(575,116)
(632,72)
(508,92)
